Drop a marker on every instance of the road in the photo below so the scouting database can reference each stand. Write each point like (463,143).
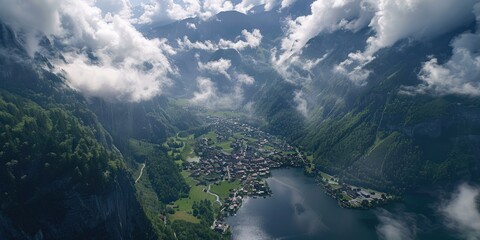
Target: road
(228,171)
(141,172)
(218,197)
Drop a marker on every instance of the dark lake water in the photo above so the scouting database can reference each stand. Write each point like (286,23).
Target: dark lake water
(299,209)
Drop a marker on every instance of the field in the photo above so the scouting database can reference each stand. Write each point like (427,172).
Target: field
(184,152)
(223,188)
(183,212)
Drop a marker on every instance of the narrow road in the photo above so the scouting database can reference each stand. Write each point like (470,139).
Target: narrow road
(301,157)
(141,172)
(228,171)
(218,197)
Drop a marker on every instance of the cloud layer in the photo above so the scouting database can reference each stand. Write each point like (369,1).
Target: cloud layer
(165,11)
(216,67)
(460,74)
(209,96)
(391,21)
(395,227)
(105,55)
(251,40)
(462,212)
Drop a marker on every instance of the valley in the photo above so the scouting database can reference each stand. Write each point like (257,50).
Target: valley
(239,119)
(232,161)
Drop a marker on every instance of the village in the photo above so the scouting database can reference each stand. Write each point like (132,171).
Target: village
(350,196)
(235,151)
(241,157)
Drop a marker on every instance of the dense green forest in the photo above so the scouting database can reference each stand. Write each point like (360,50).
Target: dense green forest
(377,135)
(41,146)
(54,142)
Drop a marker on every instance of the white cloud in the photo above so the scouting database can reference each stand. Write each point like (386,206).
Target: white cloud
(460,74)
(172,10)
(210,97)
(391,21)
(295,69)
(151,13)
(106,56)
(245,79)
(220,66)
(301,102)
(191,26)
(395,227)
(246,5)
(252,40)
(118,7)
(462,212)
(286,3)
(326,15)
(32,19)
(397,20)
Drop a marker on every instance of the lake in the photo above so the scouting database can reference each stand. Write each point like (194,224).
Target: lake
(299,209)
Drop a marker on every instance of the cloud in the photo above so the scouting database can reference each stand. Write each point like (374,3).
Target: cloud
(460,74)
(391,21)
(252,40)
(246,5)
(32,19)
(394,226)
(301,102)
(462,211)
(165,11)
(151,13)
(105,55)
(326,16)
(118,7)
(245,79)
(191,26)
(209,96)
(397,20)
(220,66)
(295,69)
(286,3)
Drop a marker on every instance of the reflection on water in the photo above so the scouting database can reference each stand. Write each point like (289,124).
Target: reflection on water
(298,209)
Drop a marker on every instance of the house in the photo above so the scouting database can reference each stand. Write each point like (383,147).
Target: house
(365,194)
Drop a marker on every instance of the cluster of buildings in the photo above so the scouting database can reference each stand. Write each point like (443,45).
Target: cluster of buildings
(249,159)
(354,197)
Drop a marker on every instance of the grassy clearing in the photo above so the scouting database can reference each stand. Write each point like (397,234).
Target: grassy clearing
(142,148)
(224,187)
(249,139)
(226,146)
(185,151)
(185,204)
(182,215)
(212,135)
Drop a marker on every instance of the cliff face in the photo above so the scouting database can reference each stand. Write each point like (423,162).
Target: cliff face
(112,214)
(61,177)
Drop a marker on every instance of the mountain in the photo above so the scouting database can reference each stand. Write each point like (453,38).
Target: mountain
(62,177)
(374,134)
(68,161)
(76,166)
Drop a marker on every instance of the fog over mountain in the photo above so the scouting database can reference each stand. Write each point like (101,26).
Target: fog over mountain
(101,33)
